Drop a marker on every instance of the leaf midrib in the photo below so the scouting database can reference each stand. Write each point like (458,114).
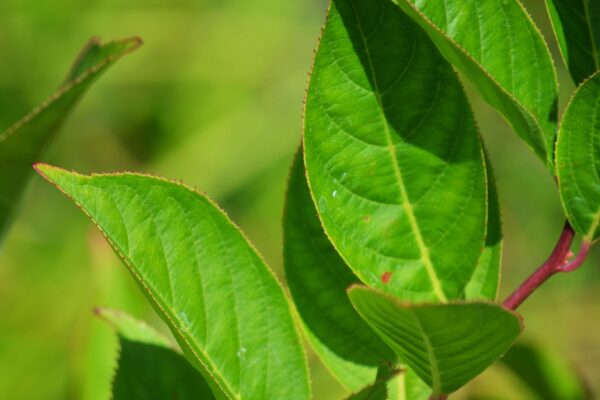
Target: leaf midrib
(406,204)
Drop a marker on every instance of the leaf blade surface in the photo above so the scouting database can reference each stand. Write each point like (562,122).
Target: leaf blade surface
(498,47)
(392,154)
(222,303)
(576,25)
(446,345)
(577,150)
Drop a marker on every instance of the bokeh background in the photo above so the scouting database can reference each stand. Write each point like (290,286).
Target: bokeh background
(214,97)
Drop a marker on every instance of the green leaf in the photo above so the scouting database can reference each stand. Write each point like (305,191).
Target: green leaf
(149,367)
(545,373)
(393,156)
(577,27)
(223,305)
(133,329)
(26,141)
(498,47)
(578,160)
(377,390)
(318,279)
(485,281)
(446,345)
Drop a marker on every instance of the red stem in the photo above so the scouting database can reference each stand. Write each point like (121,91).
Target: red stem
(557,262)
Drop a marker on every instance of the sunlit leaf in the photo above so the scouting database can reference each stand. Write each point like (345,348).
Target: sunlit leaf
(26,141)
(149,367)
(545,373)
(577,27)
(446,345)
(393,156)
(578,159)
(223,305)
(498,47)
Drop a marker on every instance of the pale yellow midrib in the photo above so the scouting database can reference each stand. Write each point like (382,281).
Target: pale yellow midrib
(406,204)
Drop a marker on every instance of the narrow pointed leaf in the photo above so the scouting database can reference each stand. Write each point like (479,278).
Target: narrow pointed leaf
(149,367)
(393,156)
(577,27)
(578,159)
(486,278)
(318,279)
(223,305)
(446,345)
(545,373)
(26,141)
(498,47)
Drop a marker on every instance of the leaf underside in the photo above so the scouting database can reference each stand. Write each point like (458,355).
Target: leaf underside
(26,141)
(498,47)
(393,157)
(578,159)
(576,24)
(148,366)
(223,305)
(446,345)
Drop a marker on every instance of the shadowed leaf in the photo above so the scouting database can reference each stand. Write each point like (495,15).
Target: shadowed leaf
(576,24)
(149,367)
(486,279)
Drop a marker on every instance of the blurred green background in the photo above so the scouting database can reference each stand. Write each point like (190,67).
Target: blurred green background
(214,98)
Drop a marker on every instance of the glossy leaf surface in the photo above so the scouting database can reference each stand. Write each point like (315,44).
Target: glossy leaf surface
(578,160)
(498,47)
(577,27)
(547,375)
(223,305)
(393,156)
(446,345)
(149,367)
(26,141)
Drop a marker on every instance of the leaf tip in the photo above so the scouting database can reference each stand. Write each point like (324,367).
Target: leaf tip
(46,171)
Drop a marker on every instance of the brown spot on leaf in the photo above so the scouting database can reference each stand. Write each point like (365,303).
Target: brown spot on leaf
(385,277)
